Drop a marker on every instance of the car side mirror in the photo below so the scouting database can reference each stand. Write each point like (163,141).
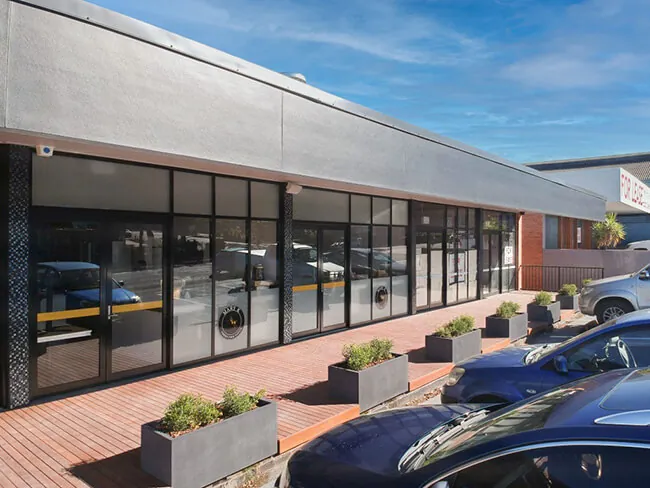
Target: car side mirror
(644,275)
(121,282)
(561,365)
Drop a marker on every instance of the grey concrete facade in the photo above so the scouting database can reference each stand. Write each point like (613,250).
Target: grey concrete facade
(67,85)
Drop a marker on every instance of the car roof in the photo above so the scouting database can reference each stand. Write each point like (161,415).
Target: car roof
(68,265)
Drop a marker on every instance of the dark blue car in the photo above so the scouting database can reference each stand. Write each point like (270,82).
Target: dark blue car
(78,282)
(516,373)
(591,433)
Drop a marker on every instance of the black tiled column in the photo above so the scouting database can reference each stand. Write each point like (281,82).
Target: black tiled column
(286,262)
(14,291)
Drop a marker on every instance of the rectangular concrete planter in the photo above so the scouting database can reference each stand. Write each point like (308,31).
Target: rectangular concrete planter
(210,453)
(547,314)
(568,302)
(454,350)
(372,386)
(513,328)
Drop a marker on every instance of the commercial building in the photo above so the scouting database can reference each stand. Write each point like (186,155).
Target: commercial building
(163,203)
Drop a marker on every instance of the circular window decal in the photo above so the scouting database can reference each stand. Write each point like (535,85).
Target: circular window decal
(381,297)
(231,322)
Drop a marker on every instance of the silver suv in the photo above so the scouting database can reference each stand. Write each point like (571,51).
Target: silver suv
(616,296)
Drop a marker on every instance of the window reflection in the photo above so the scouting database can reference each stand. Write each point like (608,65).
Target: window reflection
(381,269)
(192,294)
(399,285)
(265,294)
(360,288)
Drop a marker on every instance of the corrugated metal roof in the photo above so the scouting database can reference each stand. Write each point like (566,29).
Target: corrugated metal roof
(638,164)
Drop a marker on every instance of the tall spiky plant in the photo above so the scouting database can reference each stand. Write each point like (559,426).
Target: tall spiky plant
(608,233)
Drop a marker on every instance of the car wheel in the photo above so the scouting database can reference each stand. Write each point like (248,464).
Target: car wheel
(610,309)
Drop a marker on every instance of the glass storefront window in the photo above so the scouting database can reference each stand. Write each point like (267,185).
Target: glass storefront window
(360,209)
(231,265)
(381,269)
(305,279)
(381,210)
(265,293)
(192,193)
(265,200)
(429,214)
(231,197)
(321,206)
(192,290)
(360,288)
(472,264)
(400,212)
(399,271)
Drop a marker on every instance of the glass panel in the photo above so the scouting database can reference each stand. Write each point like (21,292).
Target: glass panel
(451,217)
(494,263)
(380,210)
(491,221)
(360,209)
(472,260)
(230,287)
(381,267)
(192,193)
(64,181)
(265,200)
(437,262)
(551,232)
(508,264)
(430,214)
(68,284)
(485,272)
(462,265)
(192,327)
(400,212)
(265,294)
(360,263)
(137,319)
(231,197)
(320,205)
(333,276)
(305,284)
(421,268)
(471,218)
(453,262)
(399,269)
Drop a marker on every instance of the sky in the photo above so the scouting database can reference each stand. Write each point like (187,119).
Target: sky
(529,80)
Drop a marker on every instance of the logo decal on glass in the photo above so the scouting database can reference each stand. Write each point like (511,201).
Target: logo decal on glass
(381,297)
(231,322)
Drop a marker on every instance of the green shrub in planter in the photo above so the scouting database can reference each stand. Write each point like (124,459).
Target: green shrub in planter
(543,298)
(456,327)
(507,310)
(234,403)
(586,281)
(569,289)
(361,356)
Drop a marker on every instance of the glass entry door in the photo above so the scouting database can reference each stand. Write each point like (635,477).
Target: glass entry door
(491,263)
(429,262)
(98,297)
(319,291)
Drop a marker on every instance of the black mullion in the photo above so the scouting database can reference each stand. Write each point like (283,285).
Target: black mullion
(249,271)
(319,279)
(390,252)
(106,291)
(213,242)
(371,241)
(347,273)
(168,280)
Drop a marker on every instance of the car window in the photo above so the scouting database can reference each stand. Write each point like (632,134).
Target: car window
(620,349)
(562,466)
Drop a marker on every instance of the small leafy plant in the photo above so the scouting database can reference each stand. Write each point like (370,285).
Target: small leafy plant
(569,289)
(586,281)
(507,310)
(543,298)
(362,356)
(190,412)
(456,327)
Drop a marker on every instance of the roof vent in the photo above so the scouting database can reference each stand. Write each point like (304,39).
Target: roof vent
(296,76)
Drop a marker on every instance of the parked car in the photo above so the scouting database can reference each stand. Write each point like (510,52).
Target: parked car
(593,432)
(612,297)
(639,246)
(70,285)
(516,373)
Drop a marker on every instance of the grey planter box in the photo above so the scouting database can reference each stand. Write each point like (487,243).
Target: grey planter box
(547,314)
(513,328)
(454,350)
(211,453)
(568,302)
(372,386)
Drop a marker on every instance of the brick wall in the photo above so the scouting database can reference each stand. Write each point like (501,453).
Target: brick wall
(532,239)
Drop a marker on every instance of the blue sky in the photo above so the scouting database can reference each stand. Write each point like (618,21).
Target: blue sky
(529,80)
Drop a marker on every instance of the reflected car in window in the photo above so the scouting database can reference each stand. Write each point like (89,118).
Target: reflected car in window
(515,373)
(77,283)
(592,432)
(360,264)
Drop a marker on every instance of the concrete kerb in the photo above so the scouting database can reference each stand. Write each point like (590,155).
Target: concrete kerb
(269,470)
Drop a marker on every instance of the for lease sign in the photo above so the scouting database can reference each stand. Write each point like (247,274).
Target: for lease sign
(633,191)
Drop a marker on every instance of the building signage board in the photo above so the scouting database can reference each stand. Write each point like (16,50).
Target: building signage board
(508,256)
(634,192)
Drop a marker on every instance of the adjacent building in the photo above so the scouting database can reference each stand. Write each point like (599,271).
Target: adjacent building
(163,203)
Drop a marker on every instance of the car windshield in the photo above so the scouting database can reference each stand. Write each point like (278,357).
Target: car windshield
(80,279)
(529,416)
(305,254)
(546,350)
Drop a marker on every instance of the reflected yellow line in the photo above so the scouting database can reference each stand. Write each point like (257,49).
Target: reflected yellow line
(94,311)
(67,314)
(333,284)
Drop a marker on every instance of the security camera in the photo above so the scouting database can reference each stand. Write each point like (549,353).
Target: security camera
(44,151)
